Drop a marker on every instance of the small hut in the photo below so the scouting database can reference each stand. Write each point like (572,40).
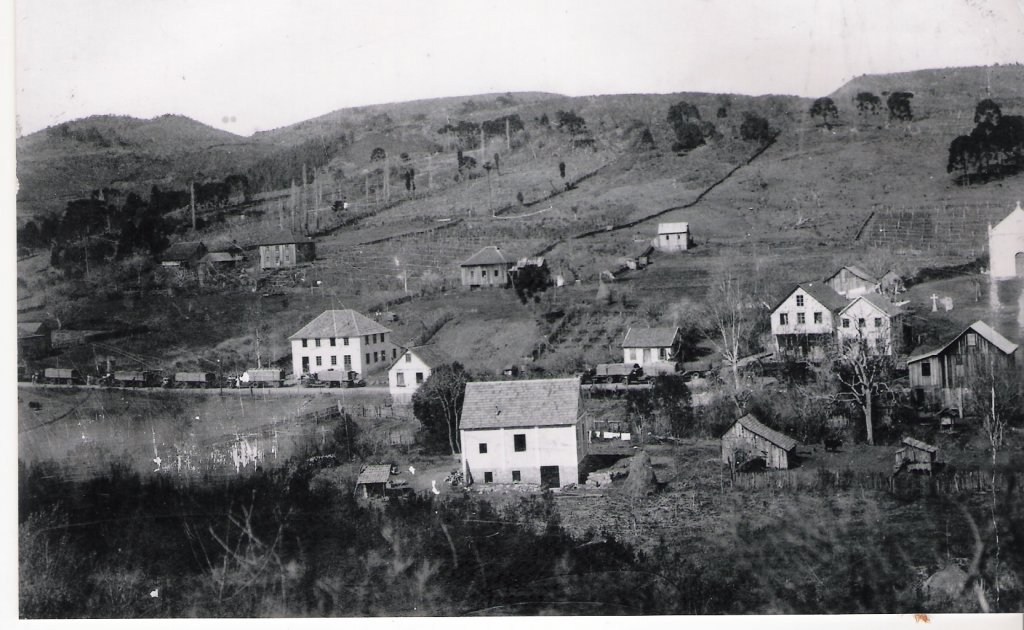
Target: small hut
(373,480)
(754,439)
(915,456)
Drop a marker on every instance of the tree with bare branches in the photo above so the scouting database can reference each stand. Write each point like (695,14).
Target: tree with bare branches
(865,376)
(731,312)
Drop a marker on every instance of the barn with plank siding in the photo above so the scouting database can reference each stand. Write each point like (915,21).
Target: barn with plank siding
(286,250)
(747,434)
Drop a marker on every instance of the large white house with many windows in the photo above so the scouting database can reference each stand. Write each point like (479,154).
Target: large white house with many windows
(804,322)
(412,368)
(873,320)
(531,431)
(341,340)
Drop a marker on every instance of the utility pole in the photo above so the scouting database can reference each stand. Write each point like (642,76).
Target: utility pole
(430,171)
(508,136)
(192,202)
(483,148)
(305,209)
(292,200)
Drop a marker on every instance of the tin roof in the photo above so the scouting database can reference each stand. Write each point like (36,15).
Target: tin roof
(430,354)
(752,424)
(987,332)
(820,292)
(650,337)
(673,228)
(544,402)
(855,270)
(339,323)
(918,444)
(374,473)
(489,255)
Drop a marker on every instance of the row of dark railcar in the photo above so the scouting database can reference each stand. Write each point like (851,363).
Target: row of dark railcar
(154,378)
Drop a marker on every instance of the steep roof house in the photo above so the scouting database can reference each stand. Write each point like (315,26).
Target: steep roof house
(749,436)
(341,340)
(530,431)
(286,250)
(804,322)
(34,340)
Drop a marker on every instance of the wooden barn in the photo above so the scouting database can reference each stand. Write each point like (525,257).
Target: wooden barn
(286,250)
(748,435)
(915,456)
(852,281)
(34,340)
(373,480)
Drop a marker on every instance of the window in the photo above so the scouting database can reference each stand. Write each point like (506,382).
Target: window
(800,319)
(400,380)
(305,343)
(488,477)
(319,360)
(783,319)
(394,353)
(972,339)
(519,441)
(799,300)
(516,477)
(375,359)
(817,317)
(495,273)
(408,357)
(860,322)
(926,368)
(878,322)
(334,341)
(367,357)
(348,361)
(846,322)
(334,359)
(316,343)
(483,447)
(344,341)
(632,355)
(374,338)
(419,378)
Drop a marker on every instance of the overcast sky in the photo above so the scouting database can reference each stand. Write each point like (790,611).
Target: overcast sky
(260,64)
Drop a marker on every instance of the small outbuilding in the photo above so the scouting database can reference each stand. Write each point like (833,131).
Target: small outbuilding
(915,456)
(673,237)
(487,268)
(373,480)
(286,250)
(184,254)
(751,438)
(34,340)
(222,260)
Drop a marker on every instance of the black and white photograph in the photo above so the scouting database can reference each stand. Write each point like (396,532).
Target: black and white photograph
(517,309)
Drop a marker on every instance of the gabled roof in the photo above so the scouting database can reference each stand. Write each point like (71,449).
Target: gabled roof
(431,355)
(821,293)
(489,255)
(918,444)
(879,301)
(1013,223)
(221,257)
(987,332)
(285,238)
(650,337)
(374,473)
(344,323)
(185,250)
(752,424)
(673,228)
(857,271)
(546,402)
(31,329)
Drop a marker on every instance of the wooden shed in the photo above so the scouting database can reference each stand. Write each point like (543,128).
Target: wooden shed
(286,250)
(754,439)
(373,480)
(915,456)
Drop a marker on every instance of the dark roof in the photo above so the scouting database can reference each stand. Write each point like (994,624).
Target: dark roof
(650,337)
(32,329)
(822,293)
(489,255)
(857,271)
(433,356)
(918,444)
(221,257)
(546,402)
(185,250)
(374,473)
(879,301)
(752,424)
(285,238)
(987,332)
(345,323)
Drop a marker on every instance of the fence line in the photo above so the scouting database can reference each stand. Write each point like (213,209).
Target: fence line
(903,485)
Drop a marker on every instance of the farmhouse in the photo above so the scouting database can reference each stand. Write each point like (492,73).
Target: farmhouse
(286,250)
(673,237)
(530,431)
(748,439)
(341,339)
(852,281)
(412,368)
(34,340)
(648,345)
(872,319)
(943,376)
(486,268)
(184,254)
(915,456)
(803,323)
(1006,246)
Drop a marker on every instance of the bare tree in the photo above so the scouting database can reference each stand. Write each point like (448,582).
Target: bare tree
(865,375)
(731,312)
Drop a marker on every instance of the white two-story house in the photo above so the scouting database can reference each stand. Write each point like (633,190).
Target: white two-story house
(804,322)
(341,340)
(873,320)
(531,431)
(412,368)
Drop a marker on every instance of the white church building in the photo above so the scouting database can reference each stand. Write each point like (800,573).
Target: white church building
(1006,246)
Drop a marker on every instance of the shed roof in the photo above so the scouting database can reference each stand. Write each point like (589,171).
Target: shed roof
(221,257)
(1013,223)
(31,329)
(650,337)
(545,402)
(918,444)
(673,228)
(374,473)
(489,255)
(430,354)
(752,424)
(339,323)
(987,332)
(185,250)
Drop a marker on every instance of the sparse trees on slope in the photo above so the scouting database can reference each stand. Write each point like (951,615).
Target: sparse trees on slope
(755,129)
(867,103)
(690,130)
(437,404)
(899,106)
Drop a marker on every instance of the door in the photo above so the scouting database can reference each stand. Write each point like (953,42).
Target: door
(305,365)
(549,477)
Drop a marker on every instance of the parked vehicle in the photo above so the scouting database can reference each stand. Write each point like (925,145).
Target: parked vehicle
(262,378)
(193,379)
(333,378)
(135,378)
(62,376)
